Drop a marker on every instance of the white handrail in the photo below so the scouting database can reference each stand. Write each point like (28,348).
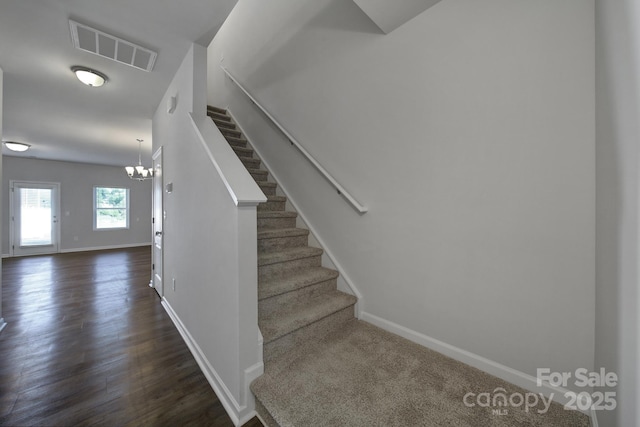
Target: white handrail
(241,187)
(314,162)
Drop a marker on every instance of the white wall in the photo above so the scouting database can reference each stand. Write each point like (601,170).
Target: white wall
(2,322)
(208,241)
(77,181)
(469,134)
(618,133)
(389,16)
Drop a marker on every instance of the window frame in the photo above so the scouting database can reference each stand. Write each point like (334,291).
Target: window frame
(126,209)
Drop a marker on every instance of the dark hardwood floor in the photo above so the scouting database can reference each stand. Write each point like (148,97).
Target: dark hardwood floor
(89,344)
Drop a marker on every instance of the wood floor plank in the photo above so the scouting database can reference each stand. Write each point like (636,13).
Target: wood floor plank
(89,344)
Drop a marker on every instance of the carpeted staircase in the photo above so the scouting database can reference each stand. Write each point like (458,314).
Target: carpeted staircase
(325,368)
(298,299)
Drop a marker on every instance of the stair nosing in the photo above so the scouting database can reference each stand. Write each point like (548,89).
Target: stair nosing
(293,254)
(278,233)
(243,152)
(223,123)
(267,184)
(248,158)
(276,214)
(329,304)
(234,139)
(218,115)
(214,111)
(222,130)
(295,281)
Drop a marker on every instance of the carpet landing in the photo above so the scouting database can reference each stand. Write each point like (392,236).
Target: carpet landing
(364,376)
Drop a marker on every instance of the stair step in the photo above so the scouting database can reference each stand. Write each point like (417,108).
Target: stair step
(294,318)
(285,330)
(219,117)
(270,258)
(273,203)
(269,189)
(282,238)
(301,296)
(279,286)
(236,142)
(250,162)
(224,123)
(287,261)
(276,219)
(230,132)
(243,151)
(258,174)
(211,108)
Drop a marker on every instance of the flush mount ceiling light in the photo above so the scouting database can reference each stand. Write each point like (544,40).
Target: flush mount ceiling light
(16,146)
(89,77)
(139,172)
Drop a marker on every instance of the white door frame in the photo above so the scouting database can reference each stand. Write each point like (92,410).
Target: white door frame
(157,254)
(48,249)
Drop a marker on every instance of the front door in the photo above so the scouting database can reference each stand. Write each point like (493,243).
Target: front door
(158,217)
(34,217)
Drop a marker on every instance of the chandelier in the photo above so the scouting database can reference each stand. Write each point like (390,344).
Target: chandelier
(139,172)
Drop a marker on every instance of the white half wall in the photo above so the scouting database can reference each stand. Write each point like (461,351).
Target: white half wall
(618,210)
(469,134)
(208,243)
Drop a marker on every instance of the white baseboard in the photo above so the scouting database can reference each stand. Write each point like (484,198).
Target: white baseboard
(593,415)
(496,369)
(239,414)
(88,249)
(105,248)
(347,281)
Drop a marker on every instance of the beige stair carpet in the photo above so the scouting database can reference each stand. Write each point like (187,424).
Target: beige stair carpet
(298,299)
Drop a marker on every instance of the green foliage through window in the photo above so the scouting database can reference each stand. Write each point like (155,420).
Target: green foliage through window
(111,207)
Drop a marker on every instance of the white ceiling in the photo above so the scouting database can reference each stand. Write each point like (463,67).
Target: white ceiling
(47,107)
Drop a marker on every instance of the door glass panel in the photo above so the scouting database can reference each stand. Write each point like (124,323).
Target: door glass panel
(35,217)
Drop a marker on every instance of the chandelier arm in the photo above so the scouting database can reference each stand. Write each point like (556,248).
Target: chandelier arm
(136,173)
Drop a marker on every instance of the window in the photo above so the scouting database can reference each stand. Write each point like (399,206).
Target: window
(110,208)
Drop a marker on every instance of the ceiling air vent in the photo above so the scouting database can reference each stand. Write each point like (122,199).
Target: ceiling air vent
(112,47)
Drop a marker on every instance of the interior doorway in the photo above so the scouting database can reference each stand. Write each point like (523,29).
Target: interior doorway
(158,220)
(35,226)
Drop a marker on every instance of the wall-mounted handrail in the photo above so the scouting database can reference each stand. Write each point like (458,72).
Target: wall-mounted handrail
(360,208)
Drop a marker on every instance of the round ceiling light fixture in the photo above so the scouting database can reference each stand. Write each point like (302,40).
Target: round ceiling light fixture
(89,77)
(16,146)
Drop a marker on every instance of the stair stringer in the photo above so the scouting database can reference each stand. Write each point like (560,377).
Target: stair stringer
(345,284)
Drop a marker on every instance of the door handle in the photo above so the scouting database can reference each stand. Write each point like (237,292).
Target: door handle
(158,233)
